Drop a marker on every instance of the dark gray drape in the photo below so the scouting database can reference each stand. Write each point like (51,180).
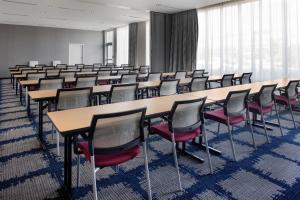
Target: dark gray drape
(184,40)
(160,26)
(132,52)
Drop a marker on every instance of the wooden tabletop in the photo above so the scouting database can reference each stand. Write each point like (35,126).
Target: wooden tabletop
(26,83)
(73,120)
(219,77)
(80,119)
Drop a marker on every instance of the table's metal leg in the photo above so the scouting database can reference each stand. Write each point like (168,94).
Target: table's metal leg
(186,153)
(66,190)
(16,87)
(28,103)
(21,94)
(259,123)
(40,125)
(202,146)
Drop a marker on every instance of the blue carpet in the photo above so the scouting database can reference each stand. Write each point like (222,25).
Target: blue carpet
(270,172)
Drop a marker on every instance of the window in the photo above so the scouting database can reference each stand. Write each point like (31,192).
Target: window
(109,47)
(148,43)
(258,36)
(122,45)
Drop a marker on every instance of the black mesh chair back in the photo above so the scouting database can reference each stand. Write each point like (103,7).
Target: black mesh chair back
(35,75)
(154,77)
(104,73)
(51,83)
(48,67)
(117,132)
(25,72)
(180,74)
(39,66)
(79,66)
(123,92)
(245,78)
(144,69)
(67,74)
(123,71)
(236,103)
(129,78)
(18,67)
(97,65)
(87,69)
(61,66)
(105,69)
(198,73)
(73,98)
(198,84)
(227,80)
(168,87)
(52,72)
(128,67)
(291,91)
(186,116)
(72,68)
(265,97)
(86,81)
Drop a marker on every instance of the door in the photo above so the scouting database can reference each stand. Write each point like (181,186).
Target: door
(75,54)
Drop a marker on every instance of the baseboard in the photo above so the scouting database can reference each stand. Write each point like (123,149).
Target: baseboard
(4,78)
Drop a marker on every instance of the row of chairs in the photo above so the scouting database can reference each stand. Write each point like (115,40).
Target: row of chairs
(185,123)
(82,67)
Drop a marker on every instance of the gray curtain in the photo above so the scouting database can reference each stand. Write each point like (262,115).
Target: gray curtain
(132,52)
(184,40)
(160,26)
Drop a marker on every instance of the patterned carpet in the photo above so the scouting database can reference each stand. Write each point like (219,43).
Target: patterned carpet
(270,172)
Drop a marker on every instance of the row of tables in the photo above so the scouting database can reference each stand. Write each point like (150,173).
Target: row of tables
(70,123)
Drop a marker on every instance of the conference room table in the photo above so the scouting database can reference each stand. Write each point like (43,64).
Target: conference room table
(41,96)
(70,123)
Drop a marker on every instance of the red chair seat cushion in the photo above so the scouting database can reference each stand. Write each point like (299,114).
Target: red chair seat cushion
(219,116)
(284,100)
(104,160)
(163,130)
(254,107)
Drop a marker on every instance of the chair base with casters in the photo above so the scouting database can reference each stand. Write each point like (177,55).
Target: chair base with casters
(99,161)
(220,117)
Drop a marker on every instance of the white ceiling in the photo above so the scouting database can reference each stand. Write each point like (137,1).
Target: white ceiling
(89,14)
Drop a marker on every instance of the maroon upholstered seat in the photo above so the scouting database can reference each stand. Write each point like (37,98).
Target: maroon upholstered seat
(163,130)
(219,116)
(284,100)
(104,160)
(254,107)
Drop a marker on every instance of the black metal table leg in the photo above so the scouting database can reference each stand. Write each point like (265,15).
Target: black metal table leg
(40,125)
(66,190)
(21,94)
(28,105)
(13,82)
(202,146)
(183,151)
(16,86)
(259,123)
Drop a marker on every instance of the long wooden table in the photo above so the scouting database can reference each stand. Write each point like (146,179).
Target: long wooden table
(40,96)
(75,121)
